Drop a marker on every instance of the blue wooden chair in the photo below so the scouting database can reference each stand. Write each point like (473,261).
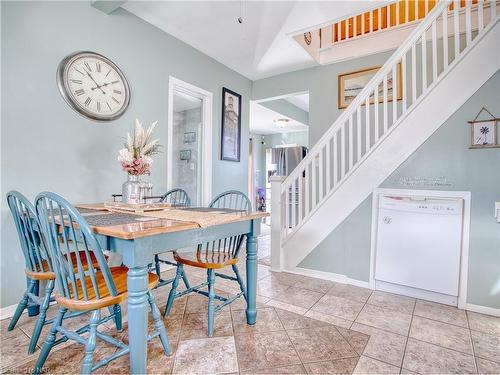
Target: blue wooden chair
(177,198)
(38,266)
(83,290)
(212,256)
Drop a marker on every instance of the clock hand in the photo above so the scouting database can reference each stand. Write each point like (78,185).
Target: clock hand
(97,85)
(108,83)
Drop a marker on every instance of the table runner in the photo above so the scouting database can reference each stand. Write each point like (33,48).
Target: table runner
(204,218)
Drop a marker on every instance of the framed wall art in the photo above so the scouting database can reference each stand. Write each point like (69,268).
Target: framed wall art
(185,155)
(484,133)
(231,125)
(189,137)
(351,84)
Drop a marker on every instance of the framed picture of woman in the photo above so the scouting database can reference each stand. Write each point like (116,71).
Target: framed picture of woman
(231,125)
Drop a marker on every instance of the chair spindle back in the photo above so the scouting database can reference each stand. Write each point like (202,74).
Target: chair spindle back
(72,279)
(177,198)
(219,251)
(233,200)
(27,227)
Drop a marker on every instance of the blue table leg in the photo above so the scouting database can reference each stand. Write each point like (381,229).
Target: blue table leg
(137,309)
(251,264)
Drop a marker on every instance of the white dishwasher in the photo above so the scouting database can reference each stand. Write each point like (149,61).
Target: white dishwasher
(418,243)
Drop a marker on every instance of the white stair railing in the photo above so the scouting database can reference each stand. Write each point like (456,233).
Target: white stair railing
(416,66)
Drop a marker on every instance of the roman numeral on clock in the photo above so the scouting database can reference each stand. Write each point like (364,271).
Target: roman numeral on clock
(98,106)
(116,101)
(87,101)
(117,92)
(77,81)
(98,66)
(88,66)
(80,92)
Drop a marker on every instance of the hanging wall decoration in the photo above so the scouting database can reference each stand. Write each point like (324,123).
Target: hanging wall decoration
(231,125)
(484,133)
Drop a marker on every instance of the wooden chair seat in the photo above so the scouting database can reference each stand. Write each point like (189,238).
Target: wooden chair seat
(46,274)
(119,276)
(206,259)
(212,255)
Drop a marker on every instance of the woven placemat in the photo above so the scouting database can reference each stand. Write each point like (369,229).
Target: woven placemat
(115,218)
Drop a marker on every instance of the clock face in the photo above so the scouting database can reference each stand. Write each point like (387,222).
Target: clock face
(93,85)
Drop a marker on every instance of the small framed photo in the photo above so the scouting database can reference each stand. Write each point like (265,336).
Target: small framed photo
(185,155)
(231,125)
(484,134)
(189,137)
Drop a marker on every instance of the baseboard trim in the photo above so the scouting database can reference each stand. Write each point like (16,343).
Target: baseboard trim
(417,293)
(365,284)
(329,276)
(7,311)
(482,309)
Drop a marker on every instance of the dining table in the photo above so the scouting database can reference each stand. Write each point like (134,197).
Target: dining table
(138,237)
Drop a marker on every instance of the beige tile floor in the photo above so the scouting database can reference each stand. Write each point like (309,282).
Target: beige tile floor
(304,325)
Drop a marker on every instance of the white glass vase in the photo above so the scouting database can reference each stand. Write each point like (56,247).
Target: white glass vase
(131,190)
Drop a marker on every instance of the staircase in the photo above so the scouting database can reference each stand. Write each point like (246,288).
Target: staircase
(369,141)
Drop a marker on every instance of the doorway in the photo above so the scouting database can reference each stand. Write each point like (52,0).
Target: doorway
(279,138)
(189,141)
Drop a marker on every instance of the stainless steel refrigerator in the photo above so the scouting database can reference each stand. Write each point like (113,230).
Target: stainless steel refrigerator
(281,161)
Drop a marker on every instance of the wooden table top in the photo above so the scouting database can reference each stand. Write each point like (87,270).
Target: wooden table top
(141,226)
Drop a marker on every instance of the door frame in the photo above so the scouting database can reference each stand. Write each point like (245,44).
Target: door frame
(206,134)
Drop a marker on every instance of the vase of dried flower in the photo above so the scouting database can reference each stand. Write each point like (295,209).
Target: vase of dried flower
(131,190)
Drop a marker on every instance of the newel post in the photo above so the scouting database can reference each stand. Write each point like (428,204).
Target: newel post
(276,224)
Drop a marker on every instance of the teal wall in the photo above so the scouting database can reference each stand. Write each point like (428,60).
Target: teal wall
(444,155)
(299,138)
(47,146)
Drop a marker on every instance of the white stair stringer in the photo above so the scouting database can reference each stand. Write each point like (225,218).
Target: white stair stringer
(433,108)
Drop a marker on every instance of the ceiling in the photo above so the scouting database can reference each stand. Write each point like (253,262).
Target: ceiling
(262,121)
(301,101)
(261,46)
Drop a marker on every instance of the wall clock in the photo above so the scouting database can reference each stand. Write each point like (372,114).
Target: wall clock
(93,86)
